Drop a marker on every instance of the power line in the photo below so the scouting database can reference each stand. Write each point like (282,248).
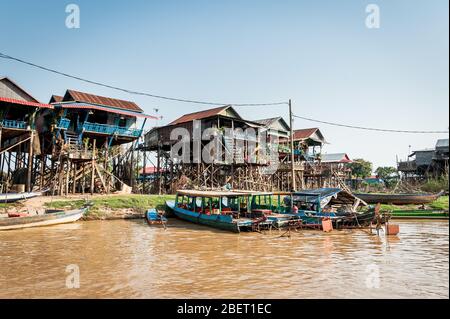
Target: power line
(4,56)
(370,128)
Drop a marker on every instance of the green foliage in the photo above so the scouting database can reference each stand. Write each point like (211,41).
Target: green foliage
(115,202)
(361,168)
(388,174)
(440,204)
(435,185)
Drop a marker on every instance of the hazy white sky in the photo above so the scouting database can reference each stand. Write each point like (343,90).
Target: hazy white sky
(318,53)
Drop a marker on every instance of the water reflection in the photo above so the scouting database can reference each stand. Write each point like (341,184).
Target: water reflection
(131,260)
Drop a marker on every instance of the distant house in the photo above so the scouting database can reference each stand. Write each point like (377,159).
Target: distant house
(307,143)
(276,126)
(336,158)
(427,162)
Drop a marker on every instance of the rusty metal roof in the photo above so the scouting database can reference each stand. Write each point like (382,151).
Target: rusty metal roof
(76,96)
(200,115)
(56,98)
(22,102)
(303,134)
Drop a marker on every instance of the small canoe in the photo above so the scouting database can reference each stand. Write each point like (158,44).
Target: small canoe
(154,218)
(419,214)
(398,199)
(54,218)
(14,197)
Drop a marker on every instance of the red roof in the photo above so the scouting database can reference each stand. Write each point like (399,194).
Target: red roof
(199,115)
(303,134)
(76,96)
(150,170)
(21,102)
(56,98)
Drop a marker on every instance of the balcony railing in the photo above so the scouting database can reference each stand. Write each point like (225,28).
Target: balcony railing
(13,124)
(111,129)
(64,123)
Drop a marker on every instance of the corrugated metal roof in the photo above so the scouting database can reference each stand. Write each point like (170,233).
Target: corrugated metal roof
(268,122)
(336,158)
(21,102)
(56,98)
(5,78)
(106,109)
(305,133)
(442,143)
(200,115)
(76,96)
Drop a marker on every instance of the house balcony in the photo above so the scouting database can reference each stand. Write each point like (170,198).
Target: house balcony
(111,130)
(19,125)
(63,124)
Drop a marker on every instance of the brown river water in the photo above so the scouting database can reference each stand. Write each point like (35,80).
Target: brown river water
(129,259)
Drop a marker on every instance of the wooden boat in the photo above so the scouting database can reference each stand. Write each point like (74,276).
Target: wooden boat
(154,218)
(398,199)
(14,197)
(419,214)
(51,218)
(225,210)
(336,204)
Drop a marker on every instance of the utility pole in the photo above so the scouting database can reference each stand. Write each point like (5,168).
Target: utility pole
(291,120)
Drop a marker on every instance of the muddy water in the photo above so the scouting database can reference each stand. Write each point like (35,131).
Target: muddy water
(129,259)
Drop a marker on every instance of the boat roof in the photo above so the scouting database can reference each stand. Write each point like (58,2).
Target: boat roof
(322,192)
(199,193)
(340,196)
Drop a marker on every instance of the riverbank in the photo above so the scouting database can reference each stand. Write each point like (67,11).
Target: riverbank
(104,207)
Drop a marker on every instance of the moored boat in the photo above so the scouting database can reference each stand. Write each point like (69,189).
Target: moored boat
(14,197)
(398,199)
(47,219)
(225,210)
(419,214)
(154,218)
(338,205)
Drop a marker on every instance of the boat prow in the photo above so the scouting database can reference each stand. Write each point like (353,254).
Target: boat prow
(54,218)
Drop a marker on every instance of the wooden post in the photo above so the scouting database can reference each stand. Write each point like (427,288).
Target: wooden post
(30,162)
(294,186)
(93,167)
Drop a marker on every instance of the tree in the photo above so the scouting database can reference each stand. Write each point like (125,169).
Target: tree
(361,168)
(388,174)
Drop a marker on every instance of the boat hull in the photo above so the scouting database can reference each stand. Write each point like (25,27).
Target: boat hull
(216,221)
(398,199)
(14,197)
(41,220)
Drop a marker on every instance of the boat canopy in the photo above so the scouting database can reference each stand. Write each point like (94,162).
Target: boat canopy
(326,196)
(198,193)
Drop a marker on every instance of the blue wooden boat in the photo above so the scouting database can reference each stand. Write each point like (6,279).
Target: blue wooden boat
(312,206)
(154,218)
(225,210)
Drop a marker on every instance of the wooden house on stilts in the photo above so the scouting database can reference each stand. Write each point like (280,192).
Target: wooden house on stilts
(85,136)
(20,144)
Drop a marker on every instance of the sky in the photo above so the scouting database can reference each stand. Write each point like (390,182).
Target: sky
(319,54)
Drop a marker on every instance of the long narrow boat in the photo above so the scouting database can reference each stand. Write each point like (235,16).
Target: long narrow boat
(225,210)
(14,197)
(312,206)
(419,214)
(53,218)
(398,199)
